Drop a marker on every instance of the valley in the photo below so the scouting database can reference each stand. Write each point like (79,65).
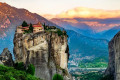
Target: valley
(88,46)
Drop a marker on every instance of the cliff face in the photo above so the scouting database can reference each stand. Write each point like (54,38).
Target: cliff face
(114,57)
(47,51)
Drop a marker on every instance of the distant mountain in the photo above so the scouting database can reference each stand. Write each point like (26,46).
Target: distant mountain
(88,26)
(109,34)
(71,24)
(86,46)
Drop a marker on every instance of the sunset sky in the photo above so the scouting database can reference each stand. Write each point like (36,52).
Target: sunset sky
(58,6)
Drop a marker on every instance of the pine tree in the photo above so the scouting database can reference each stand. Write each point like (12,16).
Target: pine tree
(24,24)
(31,27)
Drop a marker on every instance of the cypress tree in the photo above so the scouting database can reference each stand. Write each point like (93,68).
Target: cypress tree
(24,24)
(31,27)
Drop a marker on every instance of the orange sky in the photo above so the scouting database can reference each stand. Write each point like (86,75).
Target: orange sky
(82,12)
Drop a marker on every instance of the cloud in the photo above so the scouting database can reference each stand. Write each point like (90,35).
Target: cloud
(82,12)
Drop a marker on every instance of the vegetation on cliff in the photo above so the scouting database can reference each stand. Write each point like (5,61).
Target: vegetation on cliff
(10,73)
(55,29)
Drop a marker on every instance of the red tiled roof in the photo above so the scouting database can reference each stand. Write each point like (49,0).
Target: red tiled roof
(26,27)
(37,25)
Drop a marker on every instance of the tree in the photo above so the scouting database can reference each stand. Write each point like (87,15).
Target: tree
(24,24)
(57,77)
(44,24)
(45,27)
(31,69)
(19,66)
(31,27)
(59,32)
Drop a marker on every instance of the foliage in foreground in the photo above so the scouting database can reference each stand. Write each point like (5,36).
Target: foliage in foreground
(21,66)
(31,69)
(57,77)
(10,73)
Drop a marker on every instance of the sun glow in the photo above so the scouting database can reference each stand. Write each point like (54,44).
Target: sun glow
(82,12)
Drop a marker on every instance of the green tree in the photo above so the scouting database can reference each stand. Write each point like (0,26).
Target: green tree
(31,27)
(24,24)
(59,32)
(20,66)
(31,69)
(44,24)
(45,27)
(57,77)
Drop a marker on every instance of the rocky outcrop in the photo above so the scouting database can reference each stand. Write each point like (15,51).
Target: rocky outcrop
(47,51)
(6,58)
(114,57)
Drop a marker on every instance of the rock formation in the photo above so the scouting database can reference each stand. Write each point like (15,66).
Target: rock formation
(6,58)
(114,57)
(47,51)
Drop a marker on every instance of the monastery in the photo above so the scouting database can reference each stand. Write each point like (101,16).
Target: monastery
(36,28)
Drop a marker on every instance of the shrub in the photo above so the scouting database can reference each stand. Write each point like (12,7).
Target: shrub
(20,66)
(57,77)
(13,74)
(64,71)
(59,32)
(27,31)
(31,69)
